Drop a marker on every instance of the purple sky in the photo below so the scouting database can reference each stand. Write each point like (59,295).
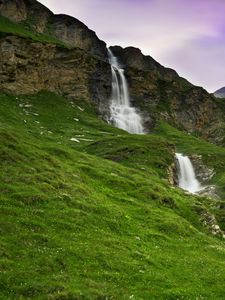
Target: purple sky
(186,35)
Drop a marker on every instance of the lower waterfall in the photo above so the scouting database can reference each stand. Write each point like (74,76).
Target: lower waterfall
(122,114)
(186,177)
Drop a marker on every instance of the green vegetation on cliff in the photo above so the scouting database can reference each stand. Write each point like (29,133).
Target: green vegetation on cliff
(8,26)
(95,217)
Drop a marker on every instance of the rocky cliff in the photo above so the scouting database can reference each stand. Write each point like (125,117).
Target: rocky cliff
(27,67)
(80,69)
(164,95)
(77,70)
(33,15)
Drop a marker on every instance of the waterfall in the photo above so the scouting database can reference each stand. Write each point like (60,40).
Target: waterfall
(122,114)
(186,177)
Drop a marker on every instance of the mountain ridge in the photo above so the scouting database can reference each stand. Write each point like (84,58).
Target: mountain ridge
(158,92)
(89,211)
(69,30)
(220,93)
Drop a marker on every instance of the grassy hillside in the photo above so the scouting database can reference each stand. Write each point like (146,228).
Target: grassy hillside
(95,217)
(213,155)
(7,26)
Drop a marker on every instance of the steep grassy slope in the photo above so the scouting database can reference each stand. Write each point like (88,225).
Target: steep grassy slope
(212,155)
(7,26)
(78,226)
(128,152)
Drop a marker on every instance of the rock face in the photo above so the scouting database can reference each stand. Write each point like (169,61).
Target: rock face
(165,95)
(15,10)
(65,28)
(75,34)
(81,70)
(210,221)
(203,173)
(27,67)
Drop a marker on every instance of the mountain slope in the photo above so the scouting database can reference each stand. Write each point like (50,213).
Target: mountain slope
(37,18)
(77,226)
(220,93)
(29,65)
(87,210)
(163,94)
(158,92)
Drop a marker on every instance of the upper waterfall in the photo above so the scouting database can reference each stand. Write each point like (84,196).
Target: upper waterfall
(186,178)
(122,114)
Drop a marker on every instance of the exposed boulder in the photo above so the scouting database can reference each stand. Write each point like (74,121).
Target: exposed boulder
(209,191)
(211,223)
(157,92)
(75,34)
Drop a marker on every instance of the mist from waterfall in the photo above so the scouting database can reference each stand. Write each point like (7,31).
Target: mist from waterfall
(186,177)
(122,114)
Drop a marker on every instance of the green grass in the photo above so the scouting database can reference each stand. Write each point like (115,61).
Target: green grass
(212,155)
(7,26)
(97,219)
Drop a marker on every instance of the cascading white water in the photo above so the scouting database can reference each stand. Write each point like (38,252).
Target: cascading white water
(186,177)
(122,114)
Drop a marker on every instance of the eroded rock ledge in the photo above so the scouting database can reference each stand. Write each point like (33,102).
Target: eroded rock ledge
(27,67)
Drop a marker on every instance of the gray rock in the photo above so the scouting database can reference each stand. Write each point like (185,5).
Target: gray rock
(203,173)
(209,191)
(161,93)
(27,68)
(66,29)
(210,221)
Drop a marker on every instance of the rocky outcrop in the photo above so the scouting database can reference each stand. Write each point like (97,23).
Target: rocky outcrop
(157,92)
(203,173)
(209,220)
(164,95)
(66,29)
(27,67)
(75,34)
(15,10)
